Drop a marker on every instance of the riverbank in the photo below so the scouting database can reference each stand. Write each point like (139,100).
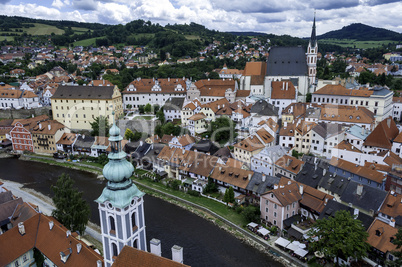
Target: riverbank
(62,163)
(240,233)
(45,203)
(235,229)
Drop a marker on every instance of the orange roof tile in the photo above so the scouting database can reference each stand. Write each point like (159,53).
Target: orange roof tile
(380,235)
(357,169)
(383,134)
(130,256)
(283,90)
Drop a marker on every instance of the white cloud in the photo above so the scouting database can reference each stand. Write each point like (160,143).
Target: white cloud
(292,17)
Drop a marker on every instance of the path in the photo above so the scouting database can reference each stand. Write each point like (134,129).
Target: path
(45,203)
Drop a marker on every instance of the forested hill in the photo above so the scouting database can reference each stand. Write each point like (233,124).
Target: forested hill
(7,23)
(180,40)
(362,32)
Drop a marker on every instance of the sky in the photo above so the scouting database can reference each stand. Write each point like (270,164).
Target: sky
(292,17)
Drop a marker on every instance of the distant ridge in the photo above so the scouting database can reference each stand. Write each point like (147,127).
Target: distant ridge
(247,33)
(362,32)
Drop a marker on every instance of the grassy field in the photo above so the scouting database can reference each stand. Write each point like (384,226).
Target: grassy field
(78,30)
(192,37)
(356,44)
(9,38)
(86,42)
(43,29)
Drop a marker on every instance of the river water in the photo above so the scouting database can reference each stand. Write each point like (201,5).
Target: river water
(204,244)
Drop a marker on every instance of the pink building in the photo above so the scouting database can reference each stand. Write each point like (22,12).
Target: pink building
(21,138)
(280,203)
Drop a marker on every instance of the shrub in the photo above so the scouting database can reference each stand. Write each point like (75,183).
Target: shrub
(193,193)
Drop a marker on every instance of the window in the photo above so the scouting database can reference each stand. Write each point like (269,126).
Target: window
(275,206)
(114,250)
(274,214)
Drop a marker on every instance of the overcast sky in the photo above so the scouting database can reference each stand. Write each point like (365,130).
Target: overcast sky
(293,17)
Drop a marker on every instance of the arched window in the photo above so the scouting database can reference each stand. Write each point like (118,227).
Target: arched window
(114,250)
(135,243)
(112,225)
(133,221)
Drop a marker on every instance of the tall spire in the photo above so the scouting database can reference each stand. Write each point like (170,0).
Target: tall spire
(120,189)
(313,38)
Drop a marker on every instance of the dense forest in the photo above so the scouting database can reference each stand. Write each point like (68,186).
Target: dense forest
(361,32)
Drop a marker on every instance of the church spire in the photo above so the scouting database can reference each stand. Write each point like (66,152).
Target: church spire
(313,38)
(121,204)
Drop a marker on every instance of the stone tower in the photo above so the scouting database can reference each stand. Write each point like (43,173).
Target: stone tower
(312,51)
(121,204)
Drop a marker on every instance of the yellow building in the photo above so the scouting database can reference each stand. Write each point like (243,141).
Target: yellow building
(77,106)
(45,136)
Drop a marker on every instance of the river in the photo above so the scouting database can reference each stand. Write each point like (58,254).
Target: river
(204,244)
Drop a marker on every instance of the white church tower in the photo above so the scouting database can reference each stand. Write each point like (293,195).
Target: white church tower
(121,205)
(312,51)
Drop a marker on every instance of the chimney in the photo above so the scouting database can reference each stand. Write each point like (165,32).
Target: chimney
(287,86)
(301,189)
(355,213)
(220,168)
(155,245)
(289,182)
(79,247)
(184,151)
(249,176)
(51,224)
(49,127)
(141,143)
(40,125)
(98,263)
(21,228)
(68,233)
(362,131)
(168,81)
(392,222)
(324,171)
(275,186)
(83,136)
(359,189)
(263,177)
(389,122)
(177,253)
(281,186)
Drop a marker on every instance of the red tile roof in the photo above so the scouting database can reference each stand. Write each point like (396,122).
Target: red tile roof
(130,256)
(383,134)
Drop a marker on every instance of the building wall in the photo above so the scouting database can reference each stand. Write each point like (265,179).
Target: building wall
(273,212)
(397,111)
(21,139)
(141,99)
(25,260)
(79,113)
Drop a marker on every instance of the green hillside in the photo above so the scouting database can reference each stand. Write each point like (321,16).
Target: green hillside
(362,32)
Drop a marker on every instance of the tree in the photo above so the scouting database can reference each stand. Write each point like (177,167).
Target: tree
(226,197)
(147,108)
(231,195)
(251,214)
(129,135)
(340,236)
(222,130)
(71,209)
(100,126)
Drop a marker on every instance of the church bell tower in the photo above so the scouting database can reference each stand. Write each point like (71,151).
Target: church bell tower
(312,51)
(121,204)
